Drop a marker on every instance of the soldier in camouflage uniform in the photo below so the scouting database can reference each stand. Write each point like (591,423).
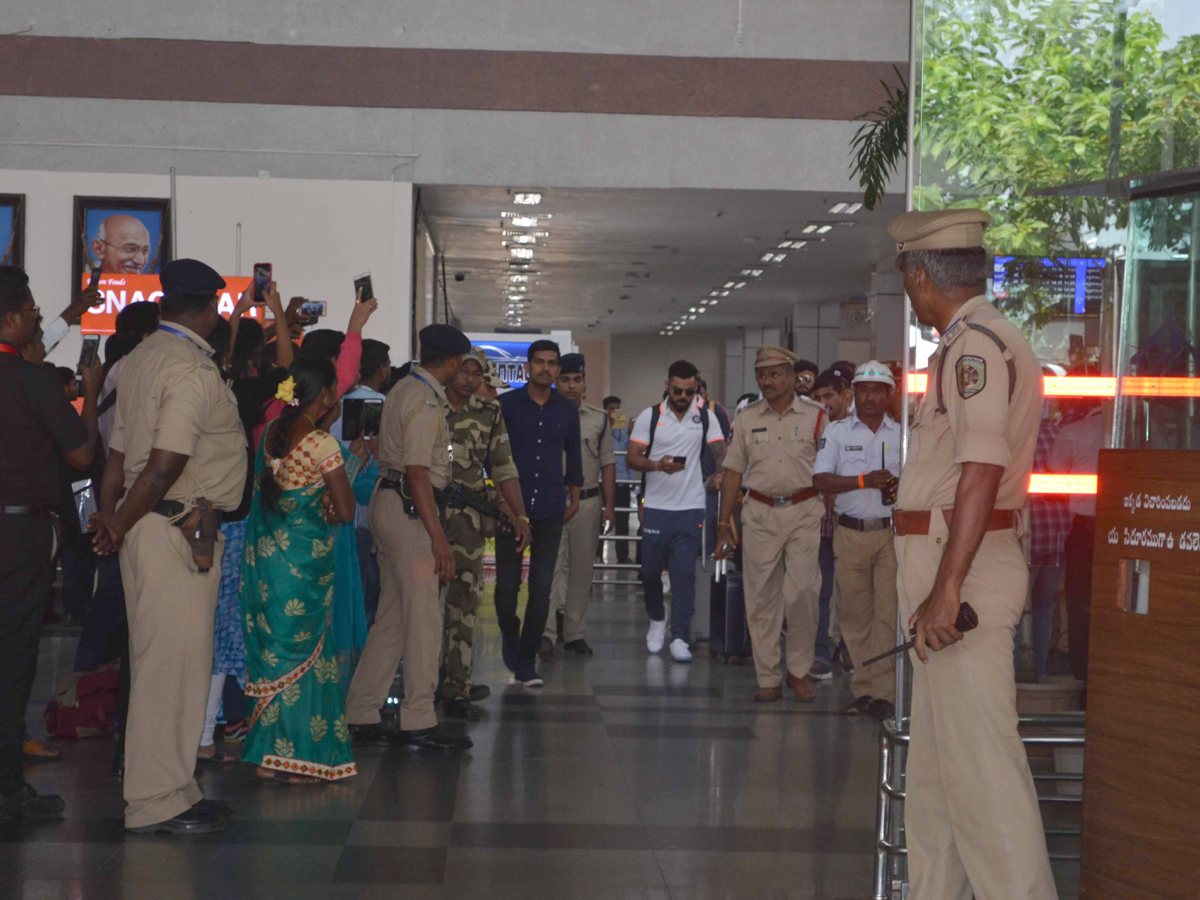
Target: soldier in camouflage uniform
(480,452)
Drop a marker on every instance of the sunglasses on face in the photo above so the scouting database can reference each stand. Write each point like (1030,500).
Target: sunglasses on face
(683,392)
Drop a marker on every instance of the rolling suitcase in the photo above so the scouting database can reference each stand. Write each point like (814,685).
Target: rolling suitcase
(728,636)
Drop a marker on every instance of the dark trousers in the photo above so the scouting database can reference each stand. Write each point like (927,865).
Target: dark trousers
(368,567)
(78,575)
(104,630)
(1078,588)
(543,555)
(26,576)
(823,649)
(671,541)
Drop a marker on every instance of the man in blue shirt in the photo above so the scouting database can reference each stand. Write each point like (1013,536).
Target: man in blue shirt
(543,429)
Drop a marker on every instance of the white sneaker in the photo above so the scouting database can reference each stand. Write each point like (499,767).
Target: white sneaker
(656,636)
(680,652)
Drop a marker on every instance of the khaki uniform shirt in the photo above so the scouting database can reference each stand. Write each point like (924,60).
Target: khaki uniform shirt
(596,447)
(413,430)
(776,452)
(172,398)
(980,423)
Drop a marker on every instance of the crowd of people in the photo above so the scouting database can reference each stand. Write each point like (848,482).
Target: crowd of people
(246,557)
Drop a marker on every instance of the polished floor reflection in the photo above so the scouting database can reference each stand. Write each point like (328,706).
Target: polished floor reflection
(625,777)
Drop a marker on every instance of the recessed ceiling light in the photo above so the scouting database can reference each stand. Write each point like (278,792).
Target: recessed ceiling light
(713,302)
(690,318)
(780,257)
(838,208)
(524,220)
(518,279)
(693,309)
(516,298)
(785,245)
(767,257)
(809,229)
(520,252)
(703,310)
(825,229)
(729,284)
(714,293)
(527,199)
(753,273)
(739,285)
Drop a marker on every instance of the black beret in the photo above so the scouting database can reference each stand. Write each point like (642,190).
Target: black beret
(190,276)
(571,363)
(443,340)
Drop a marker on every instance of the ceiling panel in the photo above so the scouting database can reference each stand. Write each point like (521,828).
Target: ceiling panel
(632,260)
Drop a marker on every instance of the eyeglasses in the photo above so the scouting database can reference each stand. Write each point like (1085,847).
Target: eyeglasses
(130,249)
(805,378)
(36,310)
(683,392)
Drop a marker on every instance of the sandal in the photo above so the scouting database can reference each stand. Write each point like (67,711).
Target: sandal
(35,751)
(287,779)
(219,757)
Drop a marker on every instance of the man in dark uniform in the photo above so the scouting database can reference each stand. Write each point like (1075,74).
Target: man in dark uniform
(39,427)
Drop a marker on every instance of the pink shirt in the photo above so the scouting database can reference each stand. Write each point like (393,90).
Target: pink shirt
(349,361)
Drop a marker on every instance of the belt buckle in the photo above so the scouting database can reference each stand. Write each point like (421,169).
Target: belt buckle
(892,525)
(781,501)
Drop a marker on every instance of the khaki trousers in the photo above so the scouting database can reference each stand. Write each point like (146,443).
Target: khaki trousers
(571,589)
(971,814)
(171,608)
(408,622)
(866,580)
(781,576)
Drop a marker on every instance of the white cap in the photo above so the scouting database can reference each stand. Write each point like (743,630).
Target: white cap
(874,371)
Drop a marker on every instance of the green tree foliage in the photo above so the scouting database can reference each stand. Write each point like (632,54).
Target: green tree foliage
(1018,95)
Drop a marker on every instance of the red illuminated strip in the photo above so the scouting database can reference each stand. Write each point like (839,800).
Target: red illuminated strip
(1046,483)
(1088,386)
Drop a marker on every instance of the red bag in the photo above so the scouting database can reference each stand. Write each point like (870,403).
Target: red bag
(84,705)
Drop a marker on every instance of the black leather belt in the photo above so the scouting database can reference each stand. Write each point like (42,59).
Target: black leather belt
(26,509)
(589,493)
(170,508)
(865,524)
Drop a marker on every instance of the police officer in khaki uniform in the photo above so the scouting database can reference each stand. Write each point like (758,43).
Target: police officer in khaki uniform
(773,449)
(178,455)
(414,555)
(971,814)
(572,586)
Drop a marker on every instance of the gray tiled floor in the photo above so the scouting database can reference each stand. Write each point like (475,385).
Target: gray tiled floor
(626,777)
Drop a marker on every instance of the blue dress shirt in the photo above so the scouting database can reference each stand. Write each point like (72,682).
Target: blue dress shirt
(541,437)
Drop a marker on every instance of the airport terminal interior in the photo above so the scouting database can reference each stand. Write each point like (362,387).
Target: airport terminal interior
(644,183)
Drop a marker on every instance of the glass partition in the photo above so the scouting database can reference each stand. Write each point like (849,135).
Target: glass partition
(1158,356)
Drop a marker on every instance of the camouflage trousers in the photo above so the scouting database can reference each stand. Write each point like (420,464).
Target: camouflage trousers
(463,598)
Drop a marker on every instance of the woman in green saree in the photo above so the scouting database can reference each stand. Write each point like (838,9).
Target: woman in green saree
(298,731)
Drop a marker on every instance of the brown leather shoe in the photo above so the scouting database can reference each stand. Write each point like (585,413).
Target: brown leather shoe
(802,688)
(768,695)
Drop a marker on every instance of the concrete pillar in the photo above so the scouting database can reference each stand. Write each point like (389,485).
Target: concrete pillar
(886,304)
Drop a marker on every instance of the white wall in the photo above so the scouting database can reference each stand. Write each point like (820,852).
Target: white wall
(317,234)
(639,364)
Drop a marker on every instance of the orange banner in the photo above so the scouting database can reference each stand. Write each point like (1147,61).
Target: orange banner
(120,290)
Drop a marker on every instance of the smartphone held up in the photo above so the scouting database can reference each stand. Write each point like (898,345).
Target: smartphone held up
(263,274)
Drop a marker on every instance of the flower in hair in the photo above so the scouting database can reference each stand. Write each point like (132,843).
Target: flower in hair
(287,391)
(274,464)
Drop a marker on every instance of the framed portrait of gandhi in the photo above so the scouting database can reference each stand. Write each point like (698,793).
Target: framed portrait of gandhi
(122,235)
(12,230)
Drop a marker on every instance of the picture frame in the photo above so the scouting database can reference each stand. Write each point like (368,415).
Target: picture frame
(12,230)
(124,235)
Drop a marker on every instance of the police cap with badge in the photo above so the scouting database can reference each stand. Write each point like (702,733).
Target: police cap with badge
(571,364)
(443,340)
(190,276)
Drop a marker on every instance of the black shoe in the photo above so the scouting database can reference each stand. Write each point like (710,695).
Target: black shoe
(26,803)
(432,739)
(860,707)
(197,820)
(221,808)
(461,708)
(558,625)
(510,648)
(527,675)
(545,651)
(479,693)
(579,648)
(882,709)
(370,736)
